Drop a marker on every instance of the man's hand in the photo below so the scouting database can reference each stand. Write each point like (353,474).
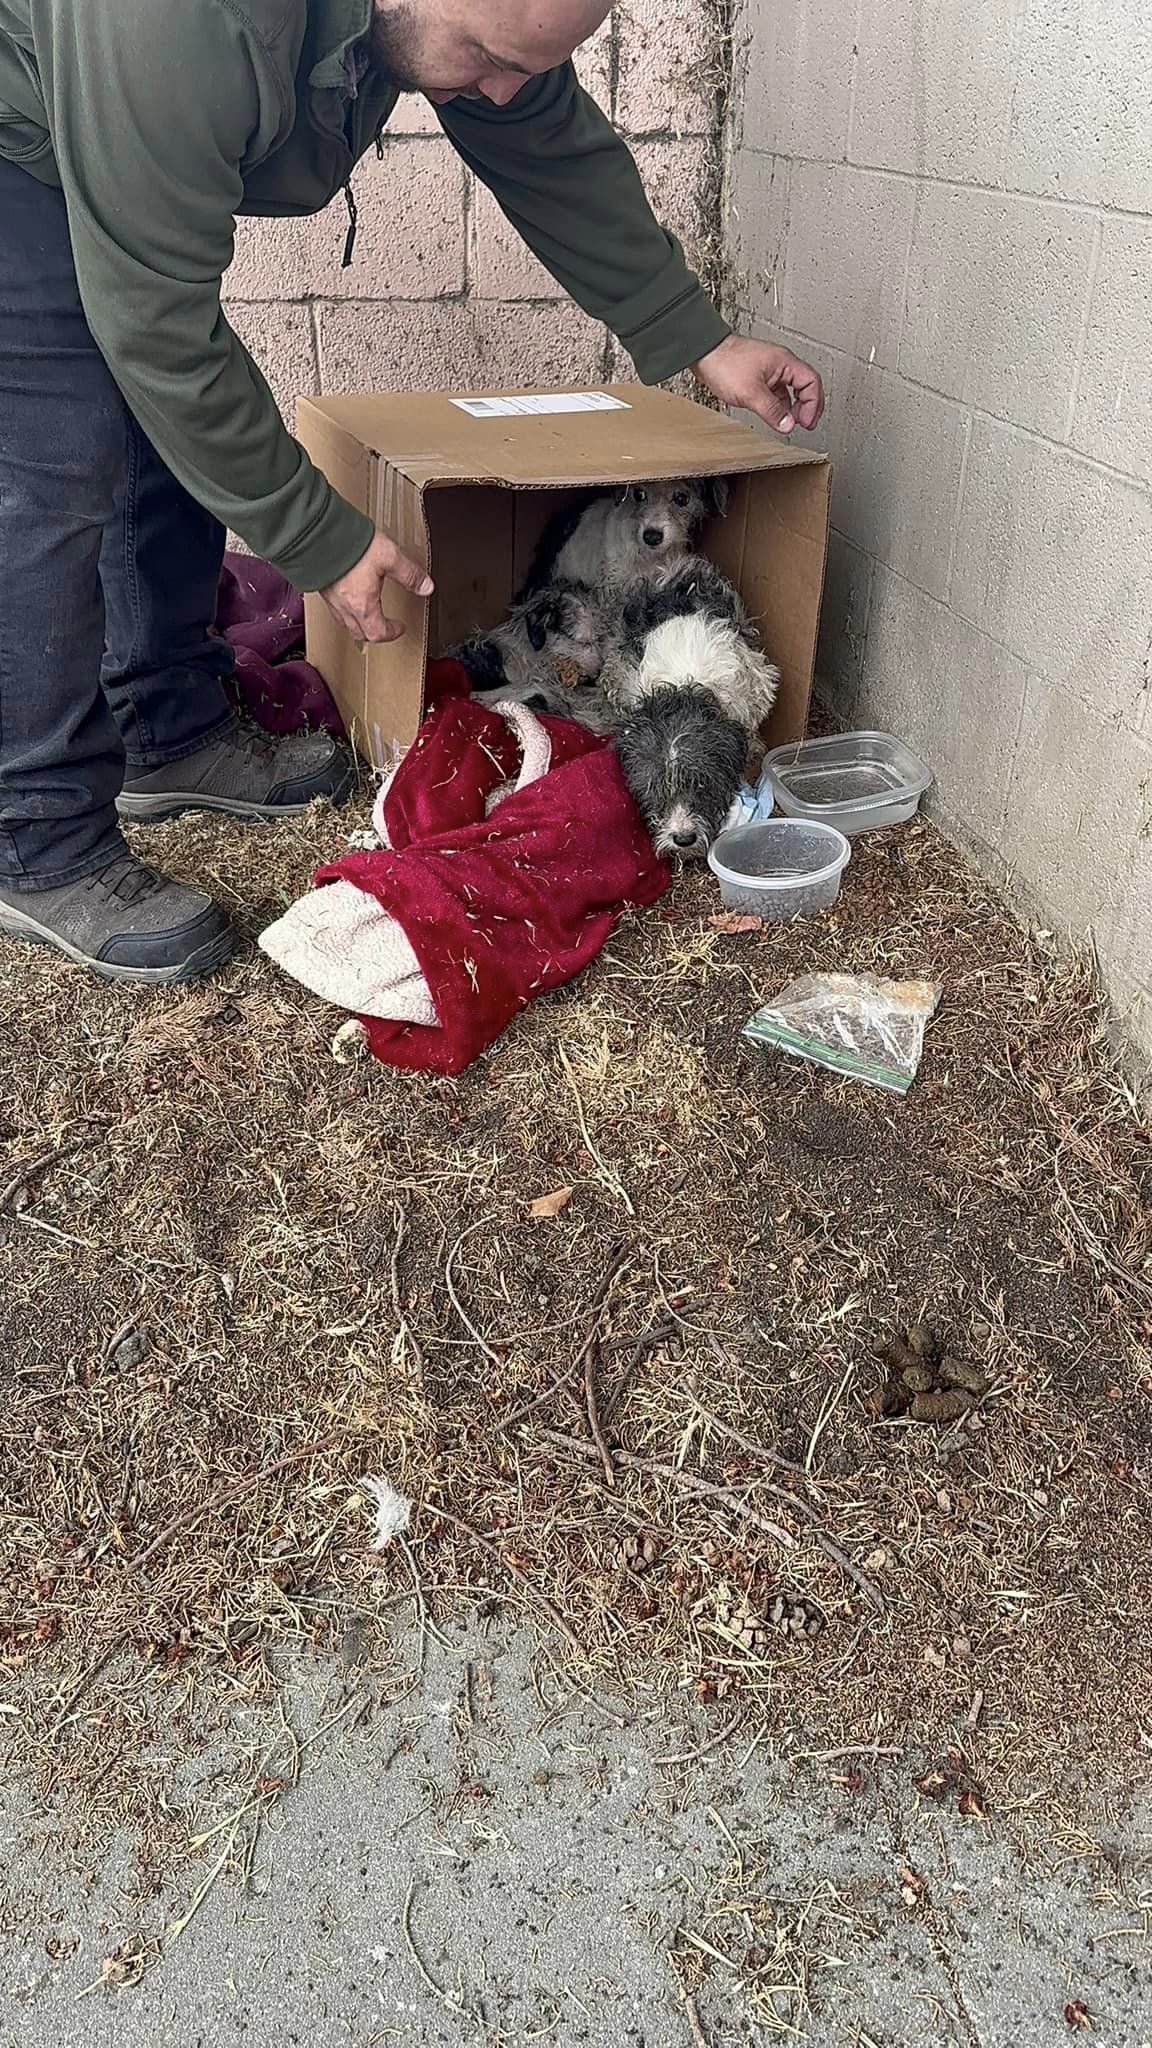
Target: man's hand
(768,381)
(354,598)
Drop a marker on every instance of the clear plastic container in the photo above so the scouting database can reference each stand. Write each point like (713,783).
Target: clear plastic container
(856,781)
(780,869)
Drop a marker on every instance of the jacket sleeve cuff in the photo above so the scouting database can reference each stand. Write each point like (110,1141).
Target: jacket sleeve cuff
(330,547)
(663,343)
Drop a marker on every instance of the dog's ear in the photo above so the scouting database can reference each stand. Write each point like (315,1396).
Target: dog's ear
(714,496)
(543,615)
(482,661)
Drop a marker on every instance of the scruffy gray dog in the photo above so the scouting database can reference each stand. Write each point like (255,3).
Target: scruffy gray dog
(620,537)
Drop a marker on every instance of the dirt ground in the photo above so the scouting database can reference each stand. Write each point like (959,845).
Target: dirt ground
(241,1278)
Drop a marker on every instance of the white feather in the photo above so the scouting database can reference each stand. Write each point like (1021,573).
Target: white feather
(393,1510)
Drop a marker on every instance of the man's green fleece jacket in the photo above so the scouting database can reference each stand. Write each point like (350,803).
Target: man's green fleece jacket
(161,122)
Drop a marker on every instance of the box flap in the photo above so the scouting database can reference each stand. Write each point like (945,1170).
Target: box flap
(431,441)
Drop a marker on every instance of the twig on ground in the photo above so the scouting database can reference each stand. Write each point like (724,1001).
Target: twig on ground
(827,1410)
(754,1450)
(832,1756)
(486,1543)
(220,1500)
(820,1536)
(454,2005)
(32,1167)
(640,1350)
(562,1381)
(687,1480)
(591,1355)
(860,1579)
(404,1328)
(699,2037)
(691,1756)
(611,1181)
(493,1357)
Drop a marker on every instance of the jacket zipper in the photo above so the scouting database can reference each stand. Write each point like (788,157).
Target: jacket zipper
(350,201)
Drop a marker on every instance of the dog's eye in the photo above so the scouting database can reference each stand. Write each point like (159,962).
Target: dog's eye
(681,498)
(640,496)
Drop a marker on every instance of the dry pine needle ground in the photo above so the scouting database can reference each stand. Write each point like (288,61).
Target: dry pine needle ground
(238,1277)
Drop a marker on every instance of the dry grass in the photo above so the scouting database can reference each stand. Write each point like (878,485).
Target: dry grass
(227,1299)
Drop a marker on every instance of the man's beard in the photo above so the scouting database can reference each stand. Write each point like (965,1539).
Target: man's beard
(396,45)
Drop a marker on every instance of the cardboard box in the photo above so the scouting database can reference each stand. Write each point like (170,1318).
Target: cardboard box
(466,485)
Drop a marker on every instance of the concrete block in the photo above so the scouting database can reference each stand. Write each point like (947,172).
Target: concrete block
(595,62)
(409,239)
(668,82)
(1078,809)
(500,266)
(393,346)
(1080,126)
(934,88)
(843,626)
(1113,416)
(758,233)
(1123,931)
(414,115)
(557,346)
(996,302)
(1054,558)
(848,237)
(954,695)
(281,342)
(794,84)
(897,454)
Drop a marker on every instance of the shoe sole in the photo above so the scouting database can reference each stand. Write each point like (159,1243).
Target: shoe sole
(15,924)
(155,810)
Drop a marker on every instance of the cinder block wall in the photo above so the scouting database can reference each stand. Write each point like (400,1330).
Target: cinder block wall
(947,208)
(440,291)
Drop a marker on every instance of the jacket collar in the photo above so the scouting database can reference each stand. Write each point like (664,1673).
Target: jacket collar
(336,27)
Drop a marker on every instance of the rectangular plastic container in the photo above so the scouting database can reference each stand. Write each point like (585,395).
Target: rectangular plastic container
(856,781)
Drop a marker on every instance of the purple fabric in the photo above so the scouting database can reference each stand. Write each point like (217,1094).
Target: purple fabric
(262,618)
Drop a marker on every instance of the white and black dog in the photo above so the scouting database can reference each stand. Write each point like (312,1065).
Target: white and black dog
(689,631)
(684,688)
(621,537)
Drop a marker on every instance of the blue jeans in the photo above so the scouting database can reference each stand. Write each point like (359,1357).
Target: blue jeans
(108,573)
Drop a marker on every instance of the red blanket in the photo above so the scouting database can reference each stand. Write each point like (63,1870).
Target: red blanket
(498,909)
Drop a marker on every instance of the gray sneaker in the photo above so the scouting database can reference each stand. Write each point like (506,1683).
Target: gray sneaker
(245,774)
(126,923)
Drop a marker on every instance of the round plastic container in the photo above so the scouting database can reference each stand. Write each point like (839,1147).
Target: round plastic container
(780,869)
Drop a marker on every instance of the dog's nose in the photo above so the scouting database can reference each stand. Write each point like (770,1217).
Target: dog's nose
(653,536)
(685,841)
